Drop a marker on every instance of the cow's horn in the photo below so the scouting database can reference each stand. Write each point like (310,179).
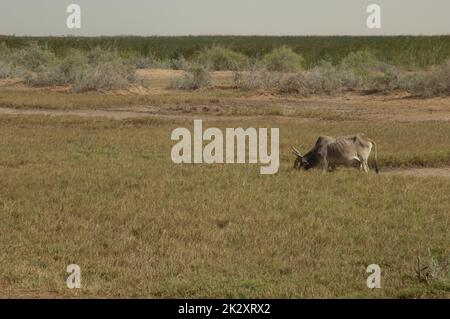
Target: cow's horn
(296,152)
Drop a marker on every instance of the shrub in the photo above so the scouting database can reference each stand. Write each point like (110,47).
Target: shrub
(147,62)
(6,69)
(257,78)
(323,79)
(60,74)
(283,59)
(98,70)
(362,64)
(220,58)
(359,61)
(100,55)
(33,57)
(150,62)
(46,77)
(197,78)
(5,52)
(387,78)
(180,63)
(9,70)
(432,82)
(104,76)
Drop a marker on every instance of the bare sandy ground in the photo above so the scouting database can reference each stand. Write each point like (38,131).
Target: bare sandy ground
(116,114)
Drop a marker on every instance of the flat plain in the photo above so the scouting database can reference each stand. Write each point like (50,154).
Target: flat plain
(87,178)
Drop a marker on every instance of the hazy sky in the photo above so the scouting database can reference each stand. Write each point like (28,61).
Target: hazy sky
(250,17)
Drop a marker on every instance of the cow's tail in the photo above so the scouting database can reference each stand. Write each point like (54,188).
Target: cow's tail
(377,169)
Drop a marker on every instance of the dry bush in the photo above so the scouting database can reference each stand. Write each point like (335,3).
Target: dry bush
(64,71)
(218,58)
(180,63)
(33,57)
(283,59)
(433,82)
(196,78)
(98,70)
(358,71)
(9,66)
(150,62)
(105,76)
(257,78)
(386,78)
(147,62)
(323,79)
(9,70)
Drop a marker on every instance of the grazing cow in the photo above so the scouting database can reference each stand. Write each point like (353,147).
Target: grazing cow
(330,152)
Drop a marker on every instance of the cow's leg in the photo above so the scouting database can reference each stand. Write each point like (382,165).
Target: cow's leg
(366,167)
(325,164)
(359,162)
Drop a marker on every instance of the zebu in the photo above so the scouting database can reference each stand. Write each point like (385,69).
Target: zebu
(330,152)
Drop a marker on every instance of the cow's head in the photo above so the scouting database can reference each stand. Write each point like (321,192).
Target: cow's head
(300,161)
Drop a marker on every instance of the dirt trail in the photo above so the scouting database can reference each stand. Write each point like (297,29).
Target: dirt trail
(121,113)
(113,113)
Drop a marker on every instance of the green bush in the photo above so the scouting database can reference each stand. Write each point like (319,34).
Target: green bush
(283,59)
(363,64)
(219,58)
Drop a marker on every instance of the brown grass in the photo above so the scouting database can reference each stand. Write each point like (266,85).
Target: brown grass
(104,194)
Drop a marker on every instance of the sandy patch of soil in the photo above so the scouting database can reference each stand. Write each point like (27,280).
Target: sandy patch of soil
(159,74)
(395,107)
(164,74)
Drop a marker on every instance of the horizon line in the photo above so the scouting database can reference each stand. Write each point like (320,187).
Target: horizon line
(226,35)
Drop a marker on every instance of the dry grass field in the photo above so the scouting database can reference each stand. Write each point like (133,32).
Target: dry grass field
(88,179)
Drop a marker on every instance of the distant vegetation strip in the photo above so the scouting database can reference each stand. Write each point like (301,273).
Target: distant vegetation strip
(406,51)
